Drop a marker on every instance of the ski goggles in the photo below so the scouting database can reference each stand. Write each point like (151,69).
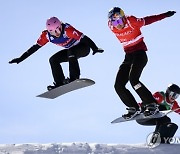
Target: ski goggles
(56,31)
(173,95)
(116,20)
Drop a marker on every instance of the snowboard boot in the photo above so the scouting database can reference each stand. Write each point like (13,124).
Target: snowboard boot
(50,87)
(132,112)
(151,109)
(73,79)
(66,81)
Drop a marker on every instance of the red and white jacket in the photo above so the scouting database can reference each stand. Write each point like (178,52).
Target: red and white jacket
(130,36)
(161,99)
(69,37)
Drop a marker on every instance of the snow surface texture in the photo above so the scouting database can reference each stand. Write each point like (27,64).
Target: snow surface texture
(85,148)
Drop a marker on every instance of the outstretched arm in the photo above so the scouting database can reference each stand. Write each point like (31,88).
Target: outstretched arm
(29,52)
(154,18)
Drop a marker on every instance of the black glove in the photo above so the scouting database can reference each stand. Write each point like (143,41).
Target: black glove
(170,13)
(15,60)
(98,50)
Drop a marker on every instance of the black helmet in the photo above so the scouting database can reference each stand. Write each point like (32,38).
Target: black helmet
(173,91)
(115,10)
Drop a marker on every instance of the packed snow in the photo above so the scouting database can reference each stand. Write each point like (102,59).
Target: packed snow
(86,148)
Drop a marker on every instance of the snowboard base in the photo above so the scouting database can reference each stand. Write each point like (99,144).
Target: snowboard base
(77,84)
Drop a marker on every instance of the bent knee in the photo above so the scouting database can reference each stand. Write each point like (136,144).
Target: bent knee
(173,125)
(51,60)
(119,87)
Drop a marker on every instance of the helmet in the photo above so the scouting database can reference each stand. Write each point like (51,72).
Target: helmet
(173,91)
(115,10)
(54,25)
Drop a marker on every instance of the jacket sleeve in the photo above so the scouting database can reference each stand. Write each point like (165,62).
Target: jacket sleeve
(176,107)
(43,39)
(86,40)
(154,18)
(159,97)
(29,52)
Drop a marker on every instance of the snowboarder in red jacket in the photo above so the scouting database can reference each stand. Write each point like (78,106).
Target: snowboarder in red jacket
(165,129)
(127,30)
(76,45)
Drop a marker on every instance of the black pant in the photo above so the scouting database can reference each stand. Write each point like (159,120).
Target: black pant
(130,70)
(68,55)
(164,127)
(155,121)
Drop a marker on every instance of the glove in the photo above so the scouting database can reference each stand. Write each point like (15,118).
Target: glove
(97,50)
(170,13)
(15,60)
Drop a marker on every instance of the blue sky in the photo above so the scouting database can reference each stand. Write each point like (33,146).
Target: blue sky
(82,115)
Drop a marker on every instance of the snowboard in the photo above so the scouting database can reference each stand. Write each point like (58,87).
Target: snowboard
(141,116)
(61,90)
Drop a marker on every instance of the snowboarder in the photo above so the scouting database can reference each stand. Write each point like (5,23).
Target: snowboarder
(165,129)
(127,30)
(76,45)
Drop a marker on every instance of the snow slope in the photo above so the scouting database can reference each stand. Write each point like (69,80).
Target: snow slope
(85,148)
